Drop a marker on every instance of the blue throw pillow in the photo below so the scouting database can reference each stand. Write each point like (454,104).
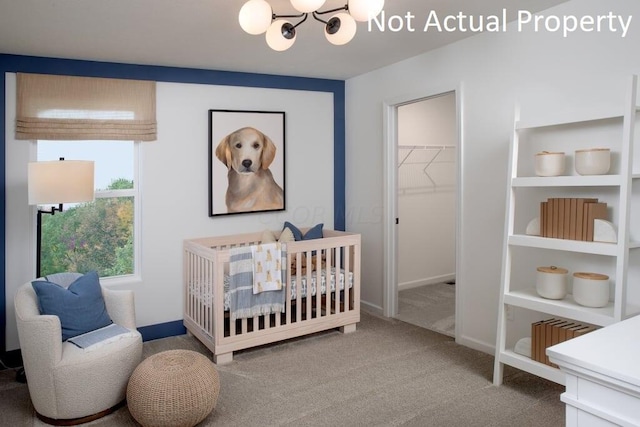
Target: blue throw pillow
(80,307)
(314,232)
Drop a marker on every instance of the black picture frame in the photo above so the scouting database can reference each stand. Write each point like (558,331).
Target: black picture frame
(246,162)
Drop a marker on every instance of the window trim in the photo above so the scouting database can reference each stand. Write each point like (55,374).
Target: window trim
(136,276)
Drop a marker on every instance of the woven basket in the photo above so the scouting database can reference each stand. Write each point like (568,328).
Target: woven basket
(173,388)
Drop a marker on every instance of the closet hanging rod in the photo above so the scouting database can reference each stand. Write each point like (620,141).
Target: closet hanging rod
(426,147)
(412,148)
(438,148)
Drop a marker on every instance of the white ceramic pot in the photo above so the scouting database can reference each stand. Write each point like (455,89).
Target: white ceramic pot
(591,289)
(594,161)
(549,163)
(551,282)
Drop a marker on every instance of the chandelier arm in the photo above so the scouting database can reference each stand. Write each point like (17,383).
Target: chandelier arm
(345,7)
(276,16)
(301,15)
(316,13)
(319,19)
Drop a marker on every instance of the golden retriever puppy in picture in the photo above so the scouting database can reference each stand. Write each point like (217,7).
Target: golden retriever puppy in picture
(247,153)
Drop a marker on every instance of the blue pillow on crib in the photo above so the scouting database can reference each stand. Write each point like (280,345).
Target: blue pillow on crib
(314,232)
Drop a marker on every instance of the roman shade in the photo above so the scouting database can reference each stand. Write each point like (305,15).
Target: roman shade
(55,107)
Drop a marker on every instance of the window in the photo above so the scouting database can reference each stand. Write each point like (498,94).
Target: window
(99,235)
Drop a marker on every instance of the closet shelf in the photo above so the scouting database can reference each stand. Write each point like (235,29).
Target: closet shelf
(437,149)
(412,148)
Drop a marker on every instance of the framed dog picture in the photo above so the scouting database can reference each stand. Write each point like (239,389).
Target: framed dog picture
(246,161)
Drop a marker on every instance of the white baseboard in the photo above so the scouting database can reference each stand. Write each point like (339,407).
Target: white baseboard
(428,281)
(476,345)
(371,308)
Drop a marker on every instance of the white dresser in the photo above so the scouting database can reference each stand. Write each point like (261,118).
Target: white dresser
(602,371)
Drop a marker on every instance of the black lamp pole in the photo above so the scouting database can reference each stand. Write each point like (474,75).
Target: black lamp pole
(39,233)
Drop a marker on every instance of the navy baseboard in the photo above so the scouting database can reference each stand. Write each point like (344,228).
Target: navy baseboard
(162,330)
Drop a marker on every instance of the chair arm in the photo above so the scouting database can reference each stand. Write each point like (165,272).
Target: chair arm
(121,307)
(40,335)
(40,342)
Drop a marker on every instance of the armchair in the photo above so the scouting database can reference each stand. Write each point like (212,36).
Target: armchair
(69,385)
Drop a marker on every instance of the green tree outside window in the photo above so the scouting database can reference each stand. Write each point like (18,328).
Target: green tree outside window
(91,236)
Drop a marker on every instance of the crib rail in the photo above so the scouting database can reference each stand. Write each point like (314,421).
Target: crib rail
(322,287)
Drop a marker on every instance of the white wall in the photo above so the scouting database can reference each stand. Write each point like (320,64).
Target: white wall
(174,174)
(426,191)
(544,72)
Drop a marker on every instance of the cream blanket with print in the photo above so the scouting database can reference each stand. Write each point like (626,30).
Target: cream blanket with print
(267,267)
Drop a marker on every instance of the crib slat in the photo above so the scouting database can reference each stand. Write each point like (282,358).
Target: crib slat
(201,308)
(347,269)
(308,275)
(198,317)
(337,288)
(287,316)
(209,283)
(318,281)
(298,287)
(216,287)
(188,282)
(327,294)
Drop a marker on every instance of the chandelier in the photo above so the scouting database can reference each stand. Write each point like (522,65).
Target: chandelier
(257,17)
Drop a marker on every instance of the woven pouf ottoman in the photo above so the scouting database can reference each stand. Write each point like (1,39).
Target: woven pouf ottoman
(173,388)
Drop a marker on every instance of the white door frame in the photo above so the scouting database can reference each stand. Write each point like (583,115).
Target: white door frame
(390,199)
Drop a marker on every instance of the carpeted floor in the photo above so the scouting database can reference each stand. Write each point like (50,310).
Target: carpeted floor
(429,306)
(387,373)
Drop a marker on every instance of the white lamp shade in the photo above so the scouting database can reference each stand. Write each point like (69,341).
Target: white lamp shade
(307,6)
(346,32)
(364,10)
(275,39)
(255,16)
(60,181)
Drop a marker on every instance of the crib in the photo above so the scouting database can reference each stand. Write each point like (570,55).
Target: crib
(322,288)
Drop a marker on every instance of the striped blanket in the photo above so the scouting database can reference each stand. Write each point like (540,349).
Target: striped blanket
(243,303)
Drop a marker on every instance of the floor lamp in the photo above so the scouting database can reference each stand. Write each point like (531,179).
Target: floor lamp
(57,182)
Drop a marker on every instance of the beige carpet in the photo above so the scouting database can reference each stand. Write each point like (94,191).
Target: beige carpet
(387,373)
(429,306)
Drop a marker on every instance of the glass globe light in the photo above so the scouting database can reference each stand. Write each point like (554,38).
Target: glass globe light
(255,16)
(307,6)
(340,29)
(364,10)
(281,35)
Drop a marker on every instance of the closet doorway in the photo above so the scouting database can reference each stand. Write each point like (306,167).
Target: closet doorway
(426,194)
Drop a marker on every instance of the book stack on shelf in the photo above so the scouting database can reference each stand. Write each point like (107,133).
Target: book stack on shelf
(546,333)
(570,218)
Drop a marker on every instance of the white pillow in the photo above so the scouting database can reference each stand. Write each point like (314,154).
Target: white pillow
(285,236)
(268,236)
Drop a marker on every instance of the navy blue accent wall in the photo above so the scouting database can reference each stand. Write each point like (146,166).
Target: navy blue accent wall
(30,64)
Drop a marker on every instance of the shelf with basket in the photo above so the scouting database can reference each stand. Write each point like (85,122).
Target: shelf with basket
(541,173)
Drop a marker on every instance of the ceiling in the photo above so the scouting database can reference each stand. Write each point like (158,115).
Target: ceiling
(205,34)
